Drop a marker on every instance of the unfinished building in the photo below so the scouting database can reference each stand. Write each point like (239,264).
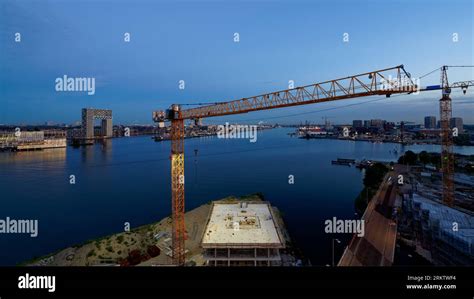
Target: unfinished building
(447,233)
(242,234)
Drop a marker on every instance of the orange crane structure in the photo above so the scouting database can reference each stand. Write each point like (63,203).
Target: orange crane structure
(447,156)
(394,80)
(445,112)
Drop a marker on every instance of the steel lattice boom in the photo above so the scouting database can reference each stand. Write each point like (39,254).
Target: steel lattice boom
(382,82)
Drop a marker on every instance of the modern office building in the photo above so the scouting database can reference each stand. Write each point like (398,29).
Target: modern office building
(430,122)
(456,122)
(377,123)
(357,124)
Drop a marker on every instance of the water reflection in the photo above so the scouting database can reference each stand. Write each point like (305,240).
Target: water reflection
(47,155)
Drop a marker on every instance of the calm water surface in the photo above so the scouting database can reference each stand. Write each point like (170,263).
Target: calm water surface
(128,180)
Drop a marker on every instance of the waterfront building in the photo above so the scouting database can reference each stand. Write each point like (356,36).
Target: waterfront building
(32,140)
(242,234)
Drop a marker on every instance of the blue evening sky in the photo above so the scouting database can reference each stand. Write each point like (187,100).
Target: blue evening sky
(194,41)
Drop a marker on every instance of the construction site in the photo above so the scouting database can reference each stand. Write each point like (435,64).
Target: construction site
(443,235)
(385,82)
(242,234)
(235,231)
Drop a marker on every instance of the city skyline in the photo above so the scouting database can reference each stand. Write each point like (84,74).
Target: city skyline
(323,120)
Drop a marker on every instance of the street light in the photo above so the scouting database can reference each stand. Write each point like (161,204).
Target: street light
(338,242)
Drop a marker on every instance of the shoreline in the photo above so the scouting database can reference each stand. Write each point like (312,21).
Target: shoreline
(149,243)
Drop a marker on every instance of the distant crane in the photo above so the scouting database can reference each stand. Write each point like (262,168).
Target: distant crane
(447,157)
(402,130)
(327,124)
(445,111)
(378,82)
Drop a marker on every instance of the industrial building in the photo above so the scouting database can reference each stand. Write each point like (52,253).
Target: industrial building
(242,234)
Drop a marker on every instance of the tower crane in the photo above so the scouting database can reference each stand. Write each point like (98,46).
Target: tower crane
(402,125)
(445,112)
(394,80)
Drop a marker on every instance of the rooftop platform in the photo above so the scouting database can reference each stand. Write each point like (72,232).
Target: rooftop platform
(242,225)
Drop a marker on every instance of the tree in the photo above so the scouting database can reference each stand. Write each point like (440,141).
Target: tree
(419,136)
(435,159)
(462,139)
(424,157)
(374,175)
(134,257)
(409,158)
(153,250)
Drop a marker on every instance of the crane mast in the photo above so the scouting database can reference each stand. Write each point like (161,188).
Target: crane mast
(177,188)
(447,158)
(445,112)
